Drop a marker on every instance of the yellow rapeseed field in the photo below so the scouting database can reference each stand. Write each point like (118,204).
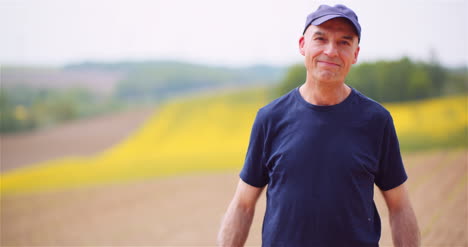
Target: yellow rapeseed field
(209,134)
(430,123)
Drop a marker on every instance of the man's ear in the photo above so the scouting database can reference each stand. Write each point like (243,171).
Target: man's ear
(301,45)
(356,54)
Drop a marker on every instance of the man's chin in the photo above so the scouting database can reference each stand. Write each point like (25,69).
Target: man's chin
(329,77)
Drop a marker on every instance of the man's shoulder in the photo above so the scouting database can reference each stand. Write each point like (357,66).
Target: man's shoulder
(278,106)
(372,108)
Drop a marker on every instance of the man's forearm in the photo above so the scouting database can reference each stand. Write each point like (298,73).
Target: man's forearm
(235,226)
(405,231)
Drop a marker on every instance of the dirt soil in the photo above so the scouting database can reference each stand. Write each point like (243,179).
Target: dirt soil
(83,137)
(187,210)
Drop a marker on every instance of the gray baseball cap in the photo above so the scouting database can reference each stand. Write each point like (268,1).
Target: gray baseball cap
(325,13)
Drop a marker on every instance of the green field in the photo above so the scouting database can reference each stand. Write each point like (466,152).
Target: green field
(209,134)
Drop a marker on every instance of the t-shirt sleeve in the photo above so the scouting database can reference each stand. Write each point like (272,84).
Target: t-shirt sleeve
(391,172)
(254,171)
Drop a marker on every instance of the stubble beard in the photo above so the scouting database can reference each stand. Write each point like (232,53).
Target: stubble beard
(326,77)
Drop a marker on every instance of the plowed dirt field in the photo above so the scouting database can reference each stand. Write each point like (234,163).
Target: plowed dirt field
(187,210)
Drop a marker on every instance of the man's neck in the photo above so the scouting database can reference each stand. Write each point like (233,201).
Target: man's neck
(324,93)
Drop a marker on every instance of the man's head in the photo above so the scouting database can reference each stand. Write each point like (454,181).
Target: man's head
(330,43)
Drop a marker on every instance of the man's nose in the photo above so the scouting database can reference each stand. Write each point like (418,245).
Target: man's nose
(331,50)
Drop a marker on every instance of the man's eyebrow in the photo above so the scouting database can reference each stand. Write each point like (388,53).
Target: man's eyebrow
(347,37)
(318,33)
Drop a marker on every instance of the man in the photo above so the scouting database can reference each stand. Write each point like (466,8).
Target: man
(320,149)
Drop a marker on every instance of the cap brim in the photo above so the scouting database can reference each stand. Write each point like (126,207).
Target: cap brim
(325,18)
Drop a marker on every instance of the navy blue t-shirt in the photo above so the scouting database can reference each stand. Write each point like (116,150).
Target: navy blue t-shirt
(320,164)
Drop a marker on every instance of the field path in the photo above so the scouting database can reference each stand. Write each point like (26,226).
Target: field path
(187,210)
(84,137)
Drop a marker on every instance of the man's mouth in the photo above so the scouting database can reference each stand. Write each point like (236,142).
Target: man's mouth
(328,63)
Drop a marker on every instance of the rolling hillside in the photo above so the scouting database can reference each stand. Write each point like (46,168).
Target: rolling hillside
(211,133)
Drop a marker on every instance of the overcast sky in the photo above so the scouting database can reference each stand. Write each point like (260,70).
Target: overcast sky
(234,33)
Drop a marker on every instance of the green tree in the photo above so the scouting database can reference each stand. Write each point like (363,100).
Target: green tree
(419,84)
(295,76)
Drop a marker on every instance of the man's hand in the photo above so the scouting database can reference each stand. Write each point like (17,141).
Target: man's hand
(405,231)
(236,223)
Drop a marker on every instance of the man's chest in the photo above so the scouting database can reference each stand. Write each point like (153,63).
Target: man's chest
(318,149)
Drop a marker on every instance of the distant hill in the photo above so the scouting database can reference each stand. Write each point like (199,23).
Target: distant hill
(98,81)
(137,81)
(158,80)
(35,97)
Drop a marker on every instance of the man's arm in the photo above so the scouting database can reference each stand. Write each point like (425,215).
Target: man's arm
(405,231)
(238,218)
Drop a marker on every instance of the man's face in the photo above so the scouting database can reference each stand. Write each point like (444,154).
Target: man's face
(329,50)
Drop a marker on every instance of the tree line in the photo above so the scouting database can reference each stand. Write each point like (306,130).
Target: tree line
(393,81)
(24,108)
